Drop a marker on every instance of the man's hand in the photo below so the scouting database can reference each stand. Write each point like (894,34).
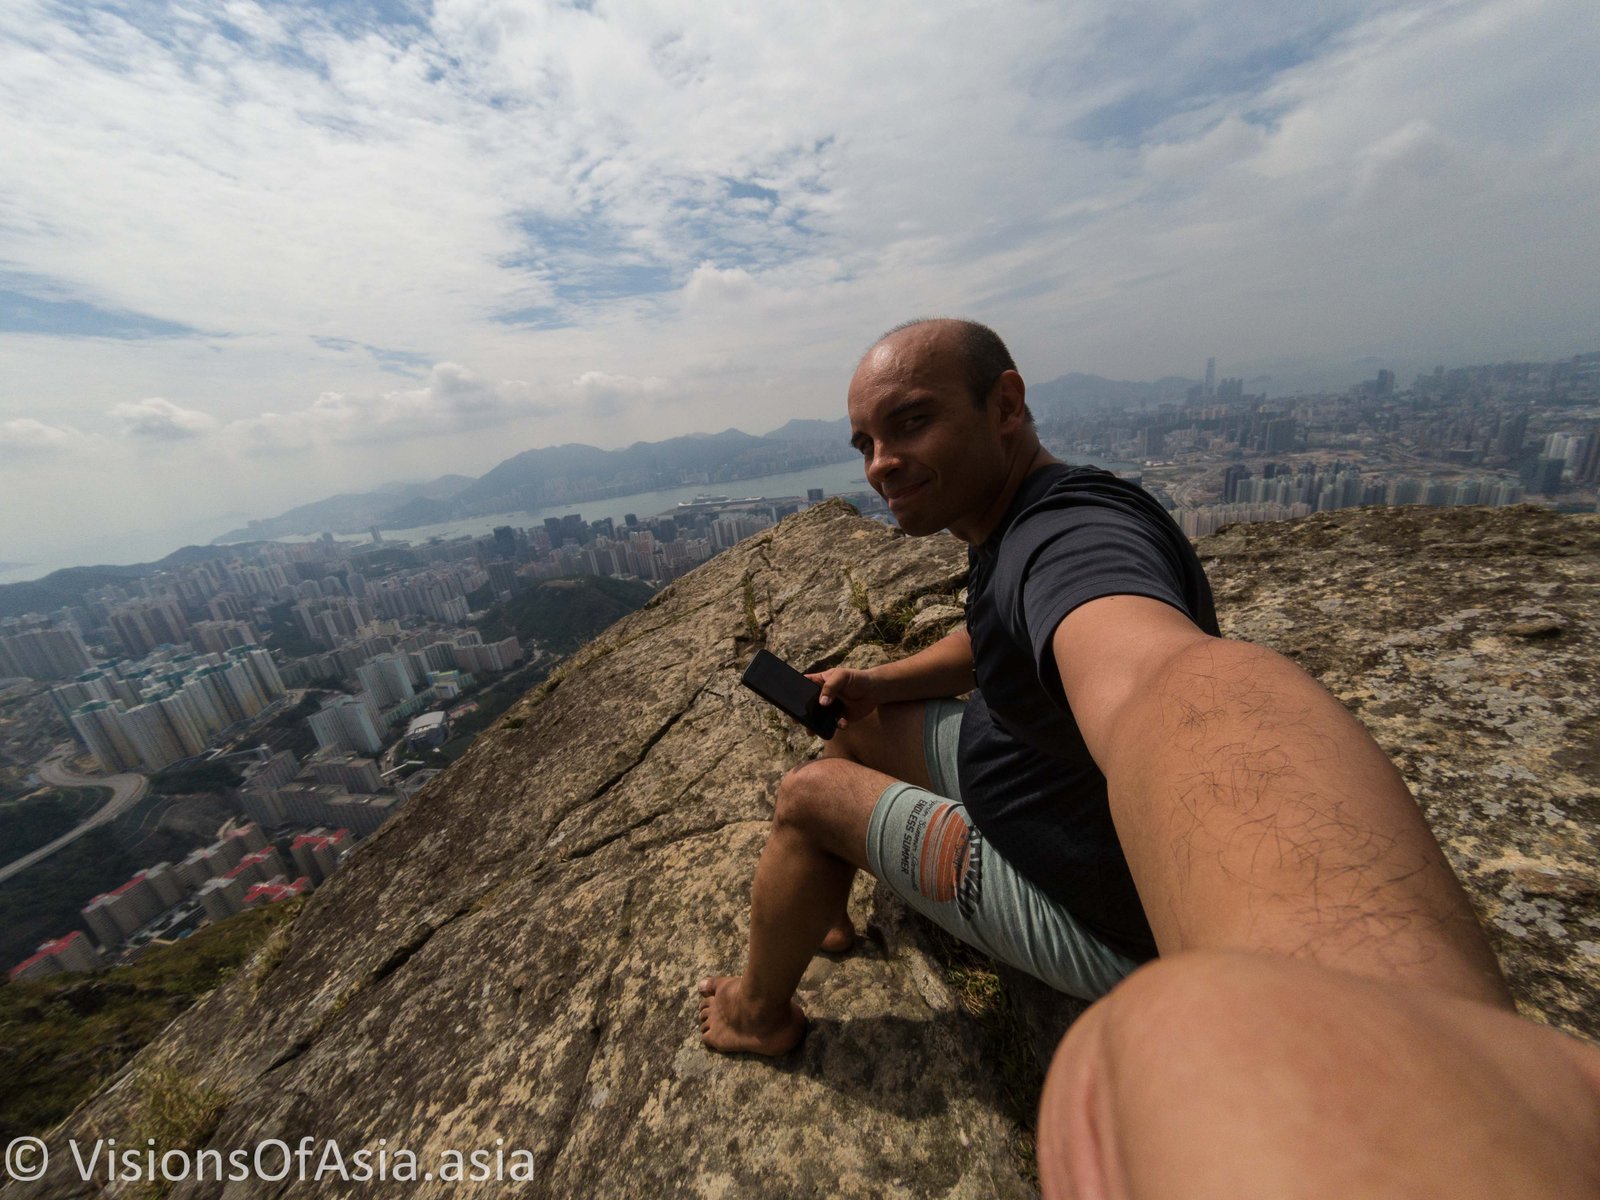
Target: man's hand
(854,690)
(942,669)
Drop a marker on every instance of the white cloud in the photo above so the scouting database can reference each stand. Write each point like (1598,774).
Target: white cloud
(26,438)
(691,215)
(454,400)
(161,419)
(606,395)
(712,285)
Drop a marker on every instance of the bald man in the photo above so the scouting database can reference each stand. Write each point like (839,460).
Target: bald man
(1124,782)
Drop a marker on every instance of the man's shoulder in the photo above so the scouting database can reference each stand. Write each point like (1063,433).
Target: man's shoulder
(1063,494)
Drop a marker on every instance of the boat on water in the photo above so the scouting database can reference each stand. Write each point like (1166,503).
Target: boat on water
(699,501)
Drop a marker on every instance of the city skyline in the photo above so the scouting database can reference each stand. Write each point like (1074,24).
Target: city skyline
(1071,403)
(255,254)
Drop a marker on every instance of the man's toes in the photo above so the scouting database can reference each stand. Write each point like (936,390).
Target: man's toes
(708,986)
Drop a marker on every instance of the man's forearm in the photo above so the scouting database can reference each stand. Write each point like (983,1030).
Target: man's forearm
(1258,814)
(943,669)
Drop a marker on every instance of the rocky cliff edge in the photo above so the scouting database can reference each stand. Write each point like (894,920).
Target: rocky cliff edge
(508,965)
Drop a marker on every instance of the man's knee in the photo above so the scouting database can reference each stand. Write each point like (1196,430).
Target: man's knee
(1188,1026)
(1293,1065)
(1166,1010)
(1202,1010)
(805,795)
(1166,1058)
(829,803)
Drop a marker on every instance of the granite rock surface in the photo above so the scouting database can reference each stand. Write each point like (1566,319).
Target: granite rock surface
(509,964)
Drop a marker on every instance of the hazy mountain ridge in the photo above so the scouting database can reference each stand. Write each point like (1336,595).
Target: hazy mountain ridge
(571,473)
(434,489)
(348,512)
(806,429)
(575,472)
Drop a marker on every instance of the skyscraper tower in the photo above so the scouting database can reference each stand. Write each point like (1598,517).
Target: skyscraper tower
(1211,377)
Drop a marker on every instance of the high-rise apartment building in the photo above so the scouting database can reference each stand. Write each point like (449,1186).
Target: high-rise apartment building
(71,953)
(150,731)
(1231,479)
(42,654)
(99,724)
(1511,436)
(142,625)
(222,897)
(349,771)
(1586,460)
(130,907)
(316,855)
(387,679)
(1280,435)
(185,721)
(348,724)
(218,637)
(488,659)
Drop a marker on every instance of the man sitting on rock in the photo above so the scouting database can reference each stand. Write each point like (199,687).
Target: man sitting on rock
(1124,781)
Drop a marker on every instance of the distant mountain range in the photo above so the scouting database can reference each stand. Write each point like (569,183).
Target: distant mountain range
(575,473)
(566,474)
(348,512)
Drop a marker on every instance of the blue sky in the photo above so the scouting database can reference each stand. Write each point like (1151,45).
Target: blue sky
(252,254)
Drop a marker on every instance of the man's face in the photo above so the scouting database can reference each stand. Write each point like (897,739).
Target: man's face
(929,450)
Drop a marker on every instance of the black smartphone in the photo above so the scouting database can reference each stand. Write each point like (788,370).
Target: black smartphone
(776,682)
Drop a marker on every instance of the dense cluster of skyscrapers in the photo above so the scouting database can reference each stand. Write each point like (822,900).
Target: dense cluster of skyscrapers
(655,549)
(171,707)
(1492,435)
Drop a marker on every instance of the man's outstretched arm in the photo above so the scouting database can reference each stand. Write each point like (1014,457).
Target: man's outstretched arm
(1256,813)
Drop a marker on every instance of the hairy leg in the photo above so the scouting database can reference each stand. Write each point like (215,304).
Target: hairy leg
(1258,815)
(888,739)
(1219,1075)
(818,839)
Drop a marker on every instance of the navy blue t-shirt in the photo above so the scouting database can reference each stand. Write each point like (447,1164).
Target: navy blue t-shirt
(1071,535)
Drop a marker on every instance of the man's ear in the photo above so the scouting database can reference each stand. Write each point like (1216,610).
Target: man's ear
(1010,397)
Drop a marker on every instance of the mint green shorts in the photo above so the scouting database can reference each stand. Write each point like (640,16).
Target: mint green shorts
(925,850)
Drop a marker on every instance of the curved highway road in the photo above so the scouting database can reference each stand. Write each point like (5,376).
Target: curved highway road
(126,791)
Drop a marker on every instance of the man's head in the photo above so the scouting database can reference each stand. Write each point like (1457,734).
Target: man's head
(944,434)
(983,355)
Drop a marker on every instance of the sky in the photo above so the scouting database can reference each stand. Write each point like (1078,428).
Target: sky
(252,255)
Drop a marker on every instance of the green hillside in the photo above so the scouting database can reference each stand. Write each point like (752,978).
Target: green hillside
(563,614)
(62,1037)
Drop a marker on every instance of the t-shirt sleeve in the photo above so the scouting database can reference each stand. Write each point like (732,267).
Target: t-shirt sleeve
(1082,553)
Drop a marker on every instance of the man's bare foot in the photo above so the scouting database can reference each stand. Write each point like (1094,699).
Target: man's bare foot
(729,1025)
(841,939)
